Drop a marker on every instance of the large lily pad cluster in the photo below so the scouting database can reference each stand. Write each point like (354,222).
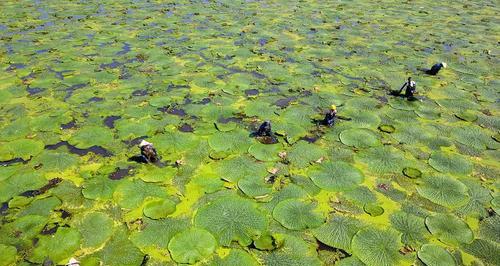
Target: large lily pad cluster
(393,182)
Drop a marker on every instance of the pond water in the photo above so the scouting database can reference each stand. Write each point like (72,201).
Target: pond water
(393,182)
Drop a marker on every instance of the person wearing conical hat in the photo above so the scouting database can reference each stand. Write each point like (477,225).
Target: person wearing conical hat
(435,68)
(329,119)
(148,152)
(411,88)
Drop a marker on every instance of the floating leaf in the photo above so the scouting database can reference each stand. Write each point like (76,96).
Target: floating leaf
(157,233)
(336,176)
(95,228)
(130,194)
(159,208)
(234,141)
(373,209)
(233,169)
(382,159)
(119,251)
(296,214)
(489,228)
(231,219)
(303,153)
(434,255)
(412,172)
(450,163)
(266,153)
(485,250)
(7,255)
(376,247)
(56,161)
(338,232)
(411,226)
(254,187)
(359,138)
(449,229)
(57,247)
(444,190)
(21,148)
(90,136)
(236,257)
(191,245)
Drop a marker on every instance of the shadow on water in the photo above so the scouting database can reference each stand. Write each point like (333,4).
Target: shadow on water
(98,150)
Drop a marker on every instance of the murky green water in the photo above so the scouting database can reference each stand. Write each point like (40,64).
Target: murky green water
(394,182)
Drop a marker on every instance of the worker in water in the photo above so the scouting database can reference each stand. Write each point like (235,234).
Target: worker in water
(148,152)
(265,129)
(329,119)
(435,68)
(411,88)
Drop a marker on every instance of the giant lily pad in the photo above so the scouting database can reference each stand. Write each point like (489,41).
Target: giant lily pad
(338,232)
(359,138)
(450,163)
(159,208)
(95,228)
(376,247)
(57,247)
(411,226)
(444,190)
(21,148)
(434,255)
(382,159)
(336,176)
(303,153)
(90,136)
(191,245)
(231,219)
(449,229)
(296,214)
(266,153)
(7,255)
(234,141)
(485,250)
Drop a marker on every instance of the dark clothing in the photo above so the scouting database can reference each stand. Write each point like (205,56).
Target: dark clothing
(329,119)
(149,153)
(411,88)
(264,129)
(434,69)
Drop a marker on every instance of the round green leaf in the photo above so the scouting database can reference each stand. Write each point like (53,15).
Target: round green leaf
(90,136)
(384,159)
(359,138)
(444,190)
(296,214)
(485,250)
(21,148)
(231,219)
(159,208)
(57,247)
(412,172)
(411,226)
(254,187)
(7,255)
(265,152)
(234,141)
(192,245)
(452,163)
(373,209)
(236,257)
(336,176)
(233,169)
(449,229)
(376,247)
(338,232)
(303,153)
(434,255)
(95,228)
